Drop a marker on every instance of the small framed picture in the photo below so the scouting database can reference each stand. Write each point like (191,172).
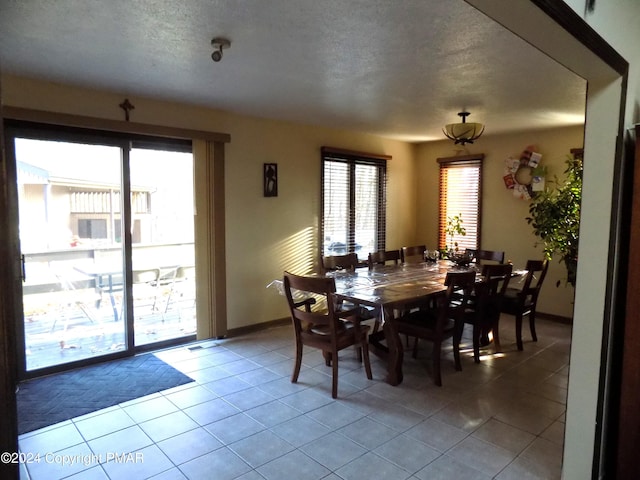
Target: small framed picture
(270,179)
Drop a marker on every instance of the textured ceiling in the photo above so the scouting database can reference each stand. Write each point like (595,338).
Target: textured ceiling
(401,69)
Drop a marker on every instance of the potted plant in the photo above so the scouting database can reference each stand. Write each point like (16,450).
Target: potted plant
(455,228)
(555,216)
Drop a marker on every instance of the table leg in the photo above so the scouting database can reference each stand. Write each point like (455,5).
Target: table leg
(396,350)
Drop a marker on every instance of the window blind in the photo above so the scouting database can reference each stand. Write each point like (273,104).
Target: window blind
(353,202)
(460,194)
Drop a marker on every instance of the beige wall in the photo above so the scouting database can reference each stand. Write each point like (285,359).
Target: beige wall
(617,22)
(264,236)
(503,216)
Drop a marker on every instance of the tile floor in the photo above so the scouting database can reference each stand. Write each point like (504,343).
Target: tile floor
(242,418)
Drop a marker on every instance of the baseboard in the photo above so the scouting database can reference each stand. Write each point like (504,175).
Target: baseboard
(555,318)
(234,332)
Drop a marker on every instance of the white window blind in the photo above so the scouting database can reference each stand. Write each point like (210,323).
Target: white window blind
(460,194)
(353,202)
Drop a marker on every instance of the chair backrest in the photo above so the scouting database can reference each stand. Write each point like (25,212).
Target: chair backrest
(302,316)
(150,275)
(454,303)
(185,272)
(497,277)
(348,261)
(536,271)
(490,291)
(414,254)
(460,283)
(486,255)
(382,257)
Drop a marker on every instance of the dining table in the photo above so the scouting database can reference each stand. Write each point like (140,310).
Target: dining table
(389,289)
(109,278)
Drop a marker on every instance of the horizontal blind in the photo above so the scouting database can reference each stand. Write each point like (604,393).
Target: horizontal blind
(460,194)
(354,203)
(367,203)
(335,219)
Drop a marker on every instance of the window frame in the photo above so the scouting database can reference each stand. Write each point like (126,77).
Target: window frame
(352,159)
(462,161)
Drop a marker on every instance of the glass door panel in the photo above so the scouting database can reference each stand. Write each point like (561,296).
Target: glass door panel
(70,235)
(162,250)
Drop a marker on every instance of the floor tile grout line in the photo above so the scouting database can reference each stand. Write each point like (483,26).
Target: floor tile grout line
(360,389)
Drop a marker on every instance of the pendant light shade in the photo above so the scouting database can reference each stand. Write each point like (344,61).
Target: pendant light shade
(464,132)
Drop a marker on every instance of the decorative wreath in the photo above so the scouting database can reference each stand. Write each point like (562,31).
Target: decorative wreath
(524,175)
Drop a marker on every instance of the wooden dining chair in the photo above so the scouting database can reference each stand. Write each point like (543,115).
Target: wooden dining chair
(348,261)
(439,323)
(414,254)
(485,255)
(484,308)
(329,330)
(382,257)
(523,301)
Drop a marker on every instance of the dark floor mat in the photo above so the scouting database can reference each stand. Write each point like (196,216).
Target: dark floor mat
(55,398)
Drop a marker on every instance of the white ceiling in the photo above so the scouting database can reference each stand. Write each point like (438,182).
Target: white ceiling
(399,68)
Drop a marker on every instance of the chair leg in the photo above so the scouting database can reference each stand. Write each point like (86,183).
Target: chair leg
(334,376)
(457,338)
(415,347)
(365,355)
(327,358)
(496,334)
(456,355)
(477,332)
(298,364)
(532,325)
(519,331)
(437,375)
(376,326)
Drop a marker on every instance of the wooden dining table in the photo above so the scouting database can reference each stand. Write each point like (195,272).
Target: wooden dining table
(390,289)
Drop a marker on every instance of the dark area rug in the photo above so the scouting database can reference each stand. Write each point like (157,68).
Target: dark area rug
(55,398)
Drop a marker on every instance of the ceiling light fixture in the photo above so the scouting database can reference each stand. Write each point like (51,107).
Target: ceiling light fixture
(463,132)
(218,44)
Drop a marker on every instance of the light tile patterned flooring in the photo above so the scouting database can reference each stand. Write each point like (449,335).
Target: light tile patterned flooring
(243,418)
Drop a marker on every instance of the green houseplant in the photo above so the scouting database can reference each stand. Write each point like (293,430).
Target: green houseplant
(454,227)
(554,215)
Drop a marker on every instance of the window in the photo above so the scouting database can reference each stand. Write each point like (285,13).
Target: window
(460,194)
(353,202)
(92,228)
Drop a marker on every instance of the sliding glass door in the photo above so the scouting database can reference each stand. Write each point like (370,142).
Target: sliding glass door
(107,240)
(69,218)
(163,263)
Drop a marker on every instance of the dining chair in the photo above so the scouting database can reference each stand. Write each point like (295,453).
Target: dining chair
(146,285)
(182,291)
(382,257)
(414,254)
(348,261)
(439,323)
(485,255)
(484,308)
(523,301)
(329,329)
(71,296)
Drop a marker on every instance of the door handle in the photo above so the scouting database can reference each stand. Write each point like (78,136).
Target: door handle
(23,268)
